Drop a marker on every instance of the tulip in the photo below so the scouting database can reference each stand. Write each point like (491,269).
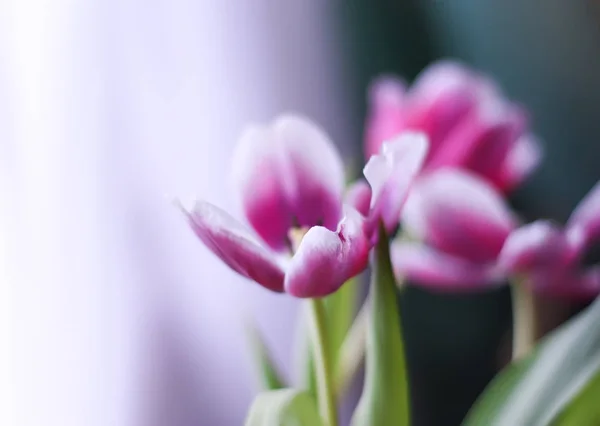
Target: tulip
(460,223)
(550,257)
(466,118)
(304,241)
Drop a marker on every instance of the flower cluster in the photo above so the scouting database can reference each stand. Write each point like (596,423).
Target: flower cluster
(442,155)
(431,208)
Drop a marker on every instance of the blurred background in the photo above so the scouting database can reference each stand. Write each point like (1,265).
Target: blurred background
(113,313)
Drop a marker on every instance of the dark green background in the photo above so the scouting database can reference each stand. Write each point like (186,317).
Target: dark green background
(546,55)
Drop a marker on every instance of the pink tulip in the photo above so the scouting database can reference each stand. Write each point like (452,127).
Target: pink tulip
(290,178)
(469,123)
(550,257)
(461,223)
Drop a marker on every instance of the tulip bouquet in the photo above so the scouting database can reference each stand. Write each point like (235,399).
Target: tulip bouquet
(431,211)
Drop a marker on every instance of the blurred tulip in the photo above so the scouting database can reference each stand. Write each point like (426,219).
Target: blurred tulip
(461,223)
(467,119)
(290,178)
(550,257)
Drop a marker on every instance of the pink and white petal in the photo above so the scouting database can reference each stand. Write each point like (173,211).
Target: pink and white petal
(288,174)
(311,171)
(585,219)
(458,213)
(521,161)
(538,245)
(386,110)
(441,97)
(325,260)
(568,285)
(391,175)
(589,285)
(431,268)
(358,195)
(440,77)
(257,179)
(235,245)
(482,139)
(495,144)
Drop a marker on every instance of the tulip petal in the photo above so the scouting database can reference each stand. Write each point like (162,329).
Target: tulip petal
(441,97)
(325,260)
(288,174)
(568,284)
(358,195)
(386,109)
(458,213)
(585,220)
(538,245)
(391,174)
(440,77)
(589,285)
(434,269)
(524,157)
(483,139)
(235,245)
(494,144)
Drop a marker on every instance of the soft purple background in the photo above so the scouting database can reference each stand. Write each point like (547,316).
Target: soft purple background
(117,315)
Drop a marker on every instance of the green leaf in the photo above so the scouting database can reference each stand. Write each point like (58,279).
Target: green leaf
(584,410)
(283,407)
(270,377)
(309,372)
(498,392)
(535,390)
(385,399)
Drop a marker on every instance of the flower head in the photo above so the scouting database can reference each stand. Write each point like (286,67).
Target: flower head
(461,223)
(468,121)
(290,180)
(551,257)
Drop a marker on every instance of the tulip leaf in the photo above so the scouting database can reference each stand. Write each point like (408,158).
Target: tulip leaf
(269,375)
(283,407)
(584,410)
(310,375)
(385,399)
(498,392)
(537,389)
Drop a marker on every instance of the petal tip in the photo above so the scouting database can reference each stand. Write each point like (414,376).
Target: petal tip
(386,89)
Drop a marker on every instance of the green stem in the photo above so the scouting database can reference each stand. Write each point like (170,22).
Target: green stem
(524,319)
(385,397)
(352,351)
(322,361)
